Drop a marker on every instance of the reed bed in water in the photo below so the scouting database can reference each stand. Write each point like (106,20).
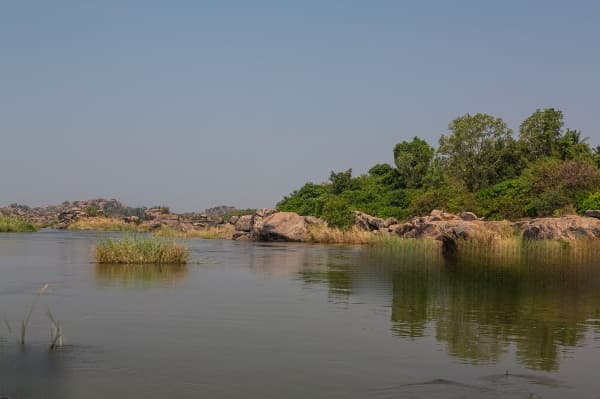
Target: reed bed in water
(140,250)
(13,224)
(220,232)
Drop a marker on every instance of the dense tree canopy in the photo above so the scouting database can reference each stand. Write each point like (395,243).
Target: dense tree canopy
(478,150)
(539,133)
(478,167)
(412,161)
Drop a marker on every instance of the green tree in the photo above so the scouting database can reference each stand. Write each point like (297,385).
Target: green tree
(540,132)
(412,160)
(572,146)
(341,181)
(479,151)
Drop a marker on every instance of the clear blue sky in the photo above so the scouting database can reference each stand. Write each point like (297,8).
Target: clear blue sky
(193,104)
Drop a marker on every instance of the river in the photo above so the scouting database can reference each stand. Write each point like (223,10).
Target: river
(257,320)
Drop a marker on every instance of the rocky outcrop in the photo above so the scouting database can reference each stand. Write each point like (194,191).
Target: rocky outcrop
(562,228)
(282,226)
(367,222)
(268,224)
(71,211)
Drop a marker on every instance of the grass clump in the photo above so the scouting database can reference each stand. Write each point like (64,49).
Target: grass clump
(103,224)
(332,235)
(140,250)
(13,224)
(221,232)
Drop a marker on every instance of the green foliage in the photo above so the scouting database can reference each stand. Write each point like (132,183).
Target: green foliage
(450,199)
(479,167)
(539,133)
(478,151)
(341,181)
(572,146)
(592,201)
(13,224)
(412,160)
(308,200)
(92,211)
(506,200)
(337,213)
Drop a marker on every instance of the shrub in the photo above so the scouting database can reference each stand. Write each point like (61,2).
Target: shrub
(337,213)
(140,250)
(590,202)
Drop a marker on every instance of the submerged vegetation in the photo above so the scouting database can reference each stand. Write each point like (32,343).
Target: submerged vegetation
(478,166)
(140,250)
(13,224)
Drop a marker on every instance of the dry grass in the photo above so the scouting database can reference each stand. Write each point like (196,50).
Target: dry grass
(221,232)
(104,224)
(140,250)
(329,235)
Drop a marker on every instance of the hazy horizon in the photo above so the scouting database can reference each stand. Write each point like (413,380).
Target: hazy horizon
(197,104)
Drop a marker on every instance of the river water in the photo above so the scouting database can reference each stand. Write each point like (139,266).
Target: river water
(252,320)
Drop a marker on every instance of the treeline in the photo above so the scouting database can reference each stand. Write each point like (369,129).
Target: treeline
(478,166)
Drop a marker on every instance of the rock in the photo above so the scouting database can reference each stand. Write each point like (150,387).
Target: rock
(283,226)
(563,228)
(467,216)
(233,220)
(311,220)
(593,213)
(367,222)
(390,222)
(244,223)
(240,236)
(264,212)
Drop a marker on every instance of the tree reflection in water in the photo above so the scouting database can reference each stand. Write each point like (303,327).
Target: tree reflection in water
(540,299)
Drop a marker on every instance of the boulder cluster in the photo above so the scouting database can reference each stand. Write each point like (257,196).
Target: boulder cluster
(268,224)
(156,218)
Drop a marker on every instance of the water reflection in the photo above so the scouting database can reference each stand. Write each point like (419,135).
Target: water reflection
(481,306)
(31,372)
(140,275)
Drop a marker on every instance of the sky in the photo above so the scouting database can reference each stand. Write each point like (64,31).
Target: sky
(193,104)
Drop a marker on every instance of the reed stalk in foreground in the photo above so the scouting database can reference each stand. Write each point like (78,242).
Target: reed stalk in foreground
(25,321)
(140,250)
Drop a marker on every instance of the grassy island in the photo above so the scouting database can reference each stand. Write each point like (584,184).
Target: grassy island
(140,250)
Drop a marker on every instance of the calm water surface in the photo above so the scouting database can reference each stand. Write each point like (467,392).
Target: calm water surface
(249,320)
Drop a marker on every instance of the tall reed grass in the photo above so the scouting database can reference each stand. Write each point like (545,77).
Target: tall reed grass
(140,250)
(104,224)
(13,224)
(220,232)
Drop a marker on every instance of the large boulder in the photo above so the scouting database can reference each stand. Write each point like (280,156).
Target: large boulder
(563,228)
(367,222)
(244,223)
(283,226)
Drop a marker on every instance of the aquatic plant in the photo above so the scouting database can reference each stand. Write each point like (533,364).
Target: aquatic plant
(13,224)
(140,250)
(56,334)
